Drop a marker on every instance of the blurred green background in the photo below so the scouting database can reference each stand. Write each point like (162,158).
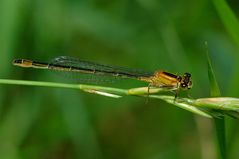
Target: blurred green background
(54,123)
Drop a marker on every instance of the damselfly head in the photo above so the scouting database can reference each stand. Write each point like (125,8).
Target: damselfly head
(186,81)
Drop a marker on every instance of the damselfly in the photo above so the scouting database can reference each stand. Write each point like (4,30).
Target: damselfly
(158,79)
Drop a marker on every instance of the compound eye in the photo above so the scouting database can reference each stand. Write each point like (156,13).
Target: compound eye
(187,74)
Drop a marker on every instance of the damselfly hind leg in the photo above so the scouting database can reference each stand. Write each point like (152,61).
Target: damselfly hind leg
(176,95)
(176,92)
(148,91)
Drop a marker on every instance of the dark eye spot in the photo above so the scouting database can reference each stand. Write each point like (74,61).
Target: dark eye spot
(187,75)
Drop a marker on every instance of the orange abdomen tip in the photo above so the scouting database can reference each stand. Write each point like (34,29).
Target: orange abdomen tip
(22,63)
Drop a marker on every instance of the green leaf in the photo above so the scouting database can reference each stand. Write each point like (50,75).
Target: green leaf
(228,18)
(214,89)
(219,122)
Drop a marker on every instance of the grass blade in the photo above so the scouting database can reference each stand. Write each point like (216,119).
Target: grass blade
(207,107)
(228,18)
(219,122)
(214,89)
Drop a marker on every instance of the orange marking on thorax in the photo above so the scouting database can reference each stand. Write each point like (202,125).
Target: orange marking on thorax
(161,78)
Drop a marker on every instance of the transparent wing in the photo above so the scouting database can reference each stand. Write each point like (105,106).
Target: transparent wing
(105,73)
(99,69)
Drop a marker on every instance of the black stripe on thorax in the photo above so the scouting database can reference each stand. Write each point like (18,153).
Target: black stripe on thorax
(170,74)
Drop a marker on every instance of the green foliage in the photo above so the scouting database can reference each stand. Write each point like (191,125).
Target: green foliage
(219,123)
(229,19)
